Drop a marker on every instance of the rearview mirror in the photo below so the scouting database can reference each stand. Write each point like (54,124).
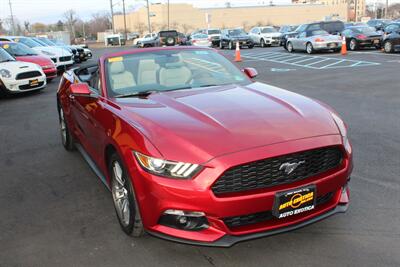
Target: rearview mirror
(80,89)
(250,72)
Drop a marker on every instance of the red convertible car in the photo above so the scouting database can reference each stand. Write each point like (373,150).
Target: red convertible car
(193,150)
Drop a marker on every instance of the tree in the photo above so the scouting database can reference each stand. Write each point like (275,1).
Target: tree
(186,28)
(71,19)
(27,25)
(60,25)
(38,27)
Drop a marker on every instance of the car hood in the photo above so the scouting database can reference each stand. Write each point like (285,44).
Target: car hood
(40,60)
(56,51)
(272,34)
(16,67)
(201,124)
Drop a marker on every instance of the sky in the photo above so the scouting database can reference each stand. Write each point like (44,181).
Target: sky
(50,11)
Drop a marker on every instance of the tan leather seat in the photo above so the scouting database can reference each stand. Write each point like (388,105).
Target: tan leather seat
(175,74)
(147,71)
(120,77)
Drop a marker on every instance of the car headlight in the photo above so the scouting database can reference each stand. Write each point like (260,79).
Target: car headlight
(166,168)
(5,73)
(343,131)
(48,53)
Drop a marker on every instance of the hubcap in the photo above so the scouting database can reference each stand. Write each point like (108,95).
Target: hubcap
(120,194)
(352,45)
(262,43)
(309,49)
(63,127)
(388,47)
(290,47)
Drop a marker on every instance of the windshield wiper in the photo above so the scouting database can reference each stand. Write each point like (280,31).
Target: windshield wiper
(139,94)
(7,60)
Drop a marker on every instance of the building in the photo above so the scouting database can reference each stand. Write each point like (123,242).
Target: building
(186,18)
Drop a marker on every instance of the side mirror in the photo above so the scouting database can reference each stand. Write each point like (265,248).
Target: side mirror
(80,89)
(250,72)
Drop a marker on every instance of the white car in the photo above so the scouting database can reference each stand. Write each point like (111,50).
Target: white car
(265,36)
(61,57)
(18,76)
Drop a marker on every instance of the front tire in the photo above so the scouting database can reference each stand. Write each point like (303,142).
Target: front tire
(230,45)
(262,43)
(289,47)
(221,46)
(353,45)
(124,198)
(309,48)
(67,139)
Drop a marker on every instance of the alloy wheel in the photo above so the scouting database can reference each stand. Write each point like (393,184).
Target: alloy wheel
(120,193)
(388,47)
(353,44)
(309,48)
(289,47)
(262,43)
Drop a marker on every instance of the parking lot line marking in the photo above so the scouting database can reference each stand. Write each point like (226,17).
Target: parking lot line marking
(332,64)
(304,60)
(319,61)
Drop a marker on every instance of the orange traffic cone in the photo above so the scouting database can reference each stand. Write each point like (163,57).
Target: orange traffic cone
(344,47)
(238,58)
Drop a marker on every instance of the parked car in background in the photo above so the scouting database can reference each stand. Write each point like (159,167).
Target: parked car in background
(391,37)
(287,28)
(78,52)
(230,37)
(167,38)
(360,36)
(286,35)
(265,36)
(200,39)
(61,58)
(183,39)
(18,77)
(148,40)
(132,35)
(314,40)
(193,150)
(23,53)
(378,24)
(214,35)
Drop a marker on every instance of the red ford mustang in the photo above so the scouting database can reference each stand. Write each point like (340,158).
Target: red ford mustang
(193,150)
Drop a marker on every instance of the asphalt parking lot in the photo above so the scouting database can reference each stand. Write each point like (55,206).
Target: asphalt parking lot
(55,212)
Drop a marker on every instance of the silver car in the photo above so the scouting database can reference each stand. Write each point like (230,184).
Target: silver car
(311,41)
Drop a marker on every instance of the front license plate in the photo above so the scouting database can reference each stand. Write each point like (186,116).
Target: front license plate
(33,82)
(376,41)
(294,202)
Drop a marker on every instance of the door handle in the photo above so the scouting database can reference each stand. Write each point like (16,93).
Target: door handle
(72,98)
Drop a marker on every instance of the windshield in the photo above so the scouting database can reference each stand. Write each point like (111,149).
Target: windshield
(26,41)
(319,32)
(46,41)
(38,41)
(4,56)
(169,70)
(268,30)
(236,32)
(214,32)
(18,49)
(200,36)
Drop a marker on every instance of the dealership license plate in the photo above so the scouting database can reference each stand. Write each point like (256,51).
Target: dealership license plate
(294,202)
(33,82)
(376,41)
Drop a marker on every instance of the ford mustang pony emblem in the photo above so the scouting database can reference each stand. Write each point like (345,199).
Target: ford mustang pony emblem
(288,168)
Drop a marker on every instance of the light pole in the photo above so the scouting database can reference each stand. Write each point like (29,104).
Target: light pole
(112,16)
(148,16)
(168,14)
(123,8)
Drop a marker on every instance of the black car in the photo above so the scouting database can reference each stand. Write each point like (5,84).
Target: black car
(391,37)
(378,24)
(362,36)
(230,37)
(168,38)
(332,27)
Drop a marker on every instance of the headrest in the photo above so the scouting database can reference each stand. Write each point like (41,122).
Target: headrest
(174,65)
(148,64)
(117,67)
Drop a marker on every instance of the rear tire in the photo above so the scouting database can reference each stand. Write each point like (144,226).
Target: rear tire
(353,45)
(124,198)
(309,48)
(388,47)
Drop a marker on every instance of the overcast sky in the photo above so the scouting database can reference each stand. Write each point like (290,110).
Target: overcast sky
(50,11)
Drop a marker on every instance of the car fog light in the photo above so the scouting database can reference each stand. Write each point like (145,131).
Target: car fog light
(184,220)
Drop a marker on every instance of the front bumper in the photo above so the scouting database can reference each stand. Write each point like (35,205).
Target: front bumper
(327,45)
(51,73)
(272,41)
(21,86)
(156,195)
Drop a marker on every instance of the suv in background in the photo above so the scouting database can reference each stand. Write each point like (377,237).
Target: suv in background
(230,37)
(214,35)
(168,38)
(391,37)
(265,36)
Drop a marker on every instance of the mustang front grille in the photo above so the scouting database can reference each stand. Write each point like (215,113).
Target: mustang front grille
(278,170)
(263,216)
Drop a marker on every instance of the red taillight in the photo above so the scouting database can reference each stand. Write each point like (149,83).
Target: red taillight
(194,41)
(361,36)
(319,40)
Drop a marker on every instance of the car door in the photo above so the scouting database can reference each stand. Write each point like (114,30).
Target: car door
(86,111)
(255,35)
(298,41)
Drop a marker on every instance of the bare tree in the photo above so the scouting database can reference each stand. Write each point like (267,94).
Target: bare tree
(27,26)
(71,19)
(186,28)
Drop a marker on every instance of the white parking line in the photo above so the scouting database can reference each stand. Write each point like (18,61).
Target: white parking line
(319,61)
(332,64)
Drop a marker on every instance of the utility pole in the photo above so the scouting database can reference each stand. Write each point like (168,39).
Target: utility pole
(148,16)
(123,8)
(386,9)
(355,10)
(112,15)
(12,18)
(168,15)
